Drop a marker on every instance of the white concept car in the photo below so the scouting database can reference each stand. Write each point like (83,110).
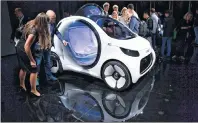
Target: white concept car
(101,47)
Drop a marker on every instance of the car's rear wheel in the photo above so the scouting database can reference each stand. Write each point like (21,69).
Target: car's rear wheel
(56,66)
(116,75)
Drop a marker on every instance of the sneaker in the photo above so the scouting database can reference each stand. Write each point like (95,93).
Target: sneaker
(182,58)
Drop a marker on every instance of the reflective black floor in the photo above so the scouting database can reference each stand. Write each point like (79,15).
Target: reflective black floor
(168,93)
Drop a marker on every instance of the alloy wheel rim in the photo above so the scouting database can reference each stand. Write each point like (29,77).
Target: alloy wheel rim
(115,76)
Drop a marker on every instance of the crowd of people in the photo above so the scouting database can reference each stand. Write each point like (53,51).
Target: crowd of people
(160,29)
(36,37)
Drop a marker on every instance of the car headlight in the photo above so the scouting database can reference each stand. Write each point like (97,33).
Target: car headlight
(130,52)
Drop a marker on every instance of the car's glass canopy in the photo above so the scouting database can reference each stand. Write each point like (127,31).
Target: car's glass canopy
(113,28)
(90,9)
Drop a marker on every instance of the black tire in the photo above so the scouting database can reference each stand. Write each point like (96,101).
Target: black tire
(55,62)
(125,77)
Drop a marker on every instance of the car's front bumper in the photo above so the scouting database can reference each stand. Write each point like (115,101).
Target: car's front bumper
(139,66)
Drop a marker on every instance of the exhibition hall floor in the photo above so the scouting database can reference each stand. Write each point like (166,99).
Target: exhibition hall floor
(169,92)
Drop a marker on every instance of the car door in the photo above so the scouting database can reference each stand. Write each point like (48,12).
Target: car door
(84,40)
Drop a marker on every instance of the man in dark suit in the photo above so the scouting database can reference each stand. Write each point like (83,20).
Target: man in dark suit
(20,21)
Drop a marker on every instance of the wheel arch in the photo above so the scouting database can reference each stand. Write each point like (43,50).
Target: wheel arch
(59,61)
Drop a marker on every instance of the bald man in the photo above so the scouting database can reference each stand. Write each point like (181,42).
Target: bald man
(54,31)
(52,16)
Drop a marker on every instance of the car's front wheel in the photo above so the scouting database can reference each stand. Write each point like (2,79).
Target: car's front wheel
(56,66)
(116,75)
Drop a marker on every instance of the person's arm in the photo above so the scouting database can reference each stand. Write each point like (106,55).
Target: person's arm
(184,26)
(14,27)
(132,23)
(150,24)
(59,35)
(190,25)
(13,34)
(27,46)
(155,20)
(173,24)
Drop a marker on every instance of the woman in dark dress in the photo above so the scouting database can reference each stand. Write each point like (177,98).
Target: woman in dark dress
(184,37)
(35,38)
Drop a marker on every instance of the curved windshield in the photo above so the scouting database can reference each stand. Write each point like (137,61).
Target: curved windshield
(113,28)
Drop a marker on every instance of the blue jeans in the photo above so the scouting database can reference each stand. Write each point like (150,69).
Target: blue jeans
(38,62)
(47,65)
(194,58)
(196,34)
(38,54)
(165,40)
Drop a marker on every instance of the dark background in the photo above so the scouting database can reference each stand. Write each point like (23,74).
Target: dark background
(32,8)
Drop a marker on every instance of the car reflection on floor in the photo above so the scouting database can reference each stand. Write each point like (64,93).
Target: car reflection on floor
(173,97)
(82,100)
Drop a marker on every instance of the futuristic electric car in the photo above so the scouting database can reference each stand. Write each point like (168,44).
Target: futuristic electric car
(101,47)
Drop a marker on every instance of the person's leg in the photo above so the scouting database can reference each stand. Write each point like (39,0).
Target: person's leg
(187,47)
(196,34)
(38,59)
(189,50)
(22,75)
(37,81)
(169,41)
(154,41)
(47,65)
(149,39)
(163,45)
(194,58)
(34,73)
(33,77)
